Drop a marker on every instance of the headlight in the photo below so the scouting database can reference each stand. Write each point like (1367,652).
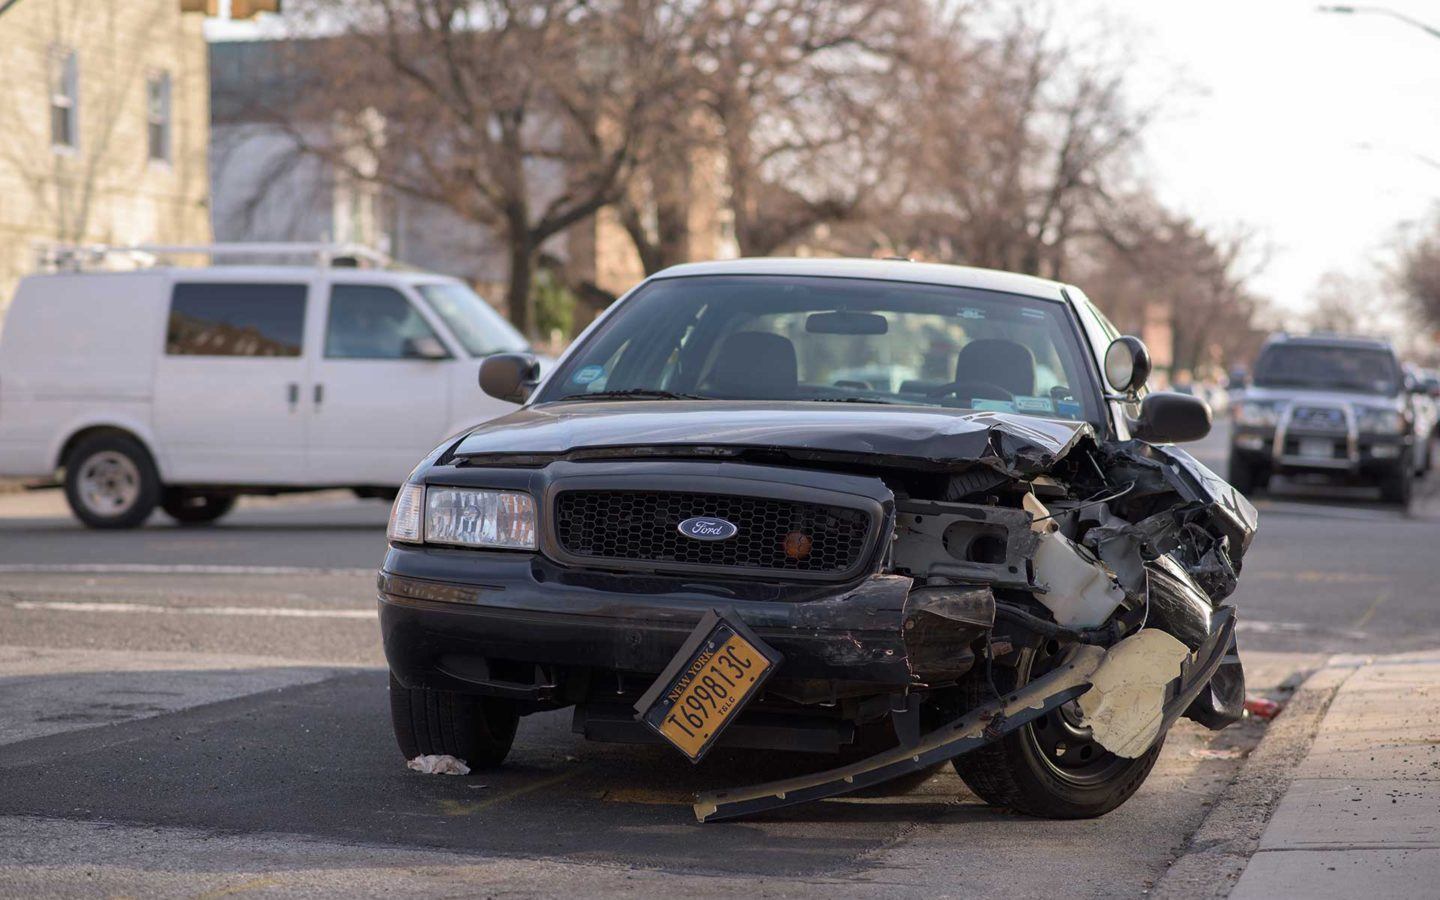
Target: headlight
(474,518)
(1256,412)
(1379,420)
(406,513)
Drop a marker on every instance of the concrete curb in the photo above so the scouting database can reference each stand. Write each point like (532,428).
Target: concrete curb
(1223,844)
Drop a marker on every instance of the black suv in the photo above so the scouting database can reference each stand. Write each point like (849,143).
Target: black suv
(898,512)
(1341,407)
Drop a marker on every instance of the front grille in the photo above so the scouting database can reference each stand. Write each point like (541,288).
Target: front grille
(641,527)
(1318,418)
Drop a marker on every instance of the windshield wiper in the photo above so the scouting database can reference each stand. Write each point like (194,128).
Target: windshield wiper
(633,394)
(853,400)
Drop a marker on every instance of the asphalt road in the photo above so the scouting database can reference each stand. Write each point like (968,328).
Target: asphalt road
(186,711)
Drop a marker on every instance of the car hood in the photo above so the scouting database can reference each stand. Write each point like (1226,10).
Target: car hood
(931,437)
(1311,395)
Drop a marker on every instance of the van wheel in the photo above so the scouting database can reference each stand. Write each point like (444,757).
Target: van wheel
(1050,768)
(110,482)
(478,730)
(195,507)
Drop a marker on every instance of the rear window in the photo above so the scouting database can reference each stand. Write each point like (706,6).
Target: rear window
(236,320)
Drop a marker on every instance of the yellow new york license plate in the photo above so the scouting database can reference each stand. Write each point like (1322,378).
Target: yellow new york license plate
(711,679)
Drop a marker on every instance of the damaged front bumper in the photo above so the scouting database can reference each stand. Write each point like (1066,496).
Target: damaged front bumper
(536,633)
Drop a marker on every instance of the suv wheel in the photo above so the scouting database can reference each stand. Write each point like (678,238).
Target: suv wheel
(195,507)
(1398,484)
(110,482)
(1247,477)
(478,730)
(1050,768)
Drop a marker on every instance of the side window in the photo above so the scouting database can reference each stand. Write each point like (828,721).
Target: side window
(236,320)
(372,322)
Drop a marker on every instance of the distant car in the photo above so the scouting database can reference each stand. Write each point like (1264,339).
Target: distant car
(1330,405)
(186,387)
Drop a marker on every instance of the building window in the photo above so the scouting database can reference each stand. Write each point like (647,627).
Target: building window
(64,99)
(157,115)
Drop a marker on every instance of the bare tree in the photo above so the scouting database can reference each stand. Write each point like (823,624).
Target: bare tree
(1418,274)
(524,116)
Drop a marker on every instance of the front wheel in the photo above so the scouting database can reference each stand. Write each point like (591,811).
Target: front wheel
(1398,485)
(1247,477)
(111,482)
(477,730)
(1052,767)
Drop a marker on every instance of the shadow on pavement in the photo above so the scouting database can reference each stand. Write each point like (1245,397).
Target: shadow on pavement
(319,760)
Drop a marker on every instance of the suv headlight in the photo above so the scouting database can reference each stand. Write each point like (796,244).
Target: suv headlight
(1264,413)
(463,517)
(1379,420)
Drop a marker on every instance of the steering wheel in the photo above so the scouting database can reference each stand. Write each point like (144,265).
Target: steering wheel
(987,390)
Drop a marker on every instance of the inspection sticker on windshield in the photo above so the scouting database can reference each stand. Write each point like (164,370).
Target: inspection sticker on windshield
(588,374)
(719,669)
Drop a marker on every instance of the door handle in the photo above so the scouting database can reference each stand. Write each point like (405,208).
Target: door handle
(292,393)
(319,393)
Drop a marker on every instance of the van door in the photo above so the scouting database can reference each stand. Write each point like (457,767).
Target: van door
(381,390)
(229,380)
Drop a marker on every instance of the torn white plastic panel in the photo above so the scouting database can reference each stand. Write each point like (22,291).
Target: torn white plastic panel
(1077,588)
(435,764)
(1126,703)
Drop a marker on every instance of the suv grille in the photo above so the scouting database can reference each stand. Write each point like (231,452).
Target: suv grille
(642,526)
(1318,418)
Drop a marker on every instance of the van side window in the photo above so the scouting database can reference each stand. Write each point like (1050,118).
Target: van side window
(373,322)
(236,319)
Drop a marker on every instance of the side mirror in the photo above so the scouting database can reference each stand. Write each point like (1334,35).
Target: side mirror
(1127,364)
(1170,418)
(425,347)
(509,376)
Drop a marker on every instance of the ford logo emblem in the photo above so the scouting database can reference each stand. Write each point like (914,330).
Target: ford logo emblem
(707,528)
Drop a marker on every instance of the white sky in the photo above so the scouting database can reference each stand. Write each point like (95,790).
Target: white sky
(1305,126)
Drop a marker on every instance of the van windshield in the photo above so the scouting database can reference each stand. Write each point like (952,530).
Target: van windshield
(476,324)
(839,340)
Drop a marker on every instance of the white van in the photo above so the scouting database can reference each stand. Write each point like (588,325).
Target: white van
(185,387)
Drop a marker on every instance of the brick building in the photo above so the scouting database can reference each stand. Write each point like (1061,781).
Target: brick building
(104,120)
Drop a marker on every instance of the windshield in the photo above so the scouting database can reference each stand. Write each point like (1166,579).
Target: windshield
(479,328)
(836,340)
(1317,366)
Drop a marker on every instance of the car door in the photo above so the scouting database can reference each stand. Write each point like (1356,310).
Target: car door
(381,391)
(228,382)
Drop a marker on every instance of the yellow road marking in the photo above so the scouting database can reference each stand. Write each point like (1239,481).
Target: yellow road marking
(1370,612)
(1314,576)
(467,808)
(650,796)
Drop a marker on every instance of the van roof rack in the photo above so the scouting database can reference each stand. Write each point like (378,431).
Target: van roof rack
(58,257)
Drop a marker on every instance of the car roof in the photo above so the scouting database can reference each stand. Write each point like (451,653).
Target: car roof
(880,269)
(261,273)
(1354,341)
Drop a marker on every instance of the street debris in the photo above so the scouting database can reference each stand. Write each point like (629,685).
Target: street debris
(1262,708)
(435,764)
(1217,753)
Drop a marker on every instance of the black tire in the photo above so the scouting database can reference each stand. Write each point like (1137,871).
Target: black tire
(111,482)
(1017,773)
(1247,477)
(195,507)
(1398,484)
(478,730)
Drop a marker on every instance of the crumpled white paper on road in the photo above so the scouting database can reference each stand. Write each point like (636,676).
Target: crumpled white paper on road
(439,765)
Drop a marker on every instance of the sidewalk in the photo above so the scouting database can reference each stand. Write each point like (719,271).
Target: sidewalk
(1362,815)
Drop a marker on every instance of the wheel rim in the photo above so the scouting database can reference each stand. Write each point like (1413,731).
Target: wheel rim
(1065,747)
(109,483)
